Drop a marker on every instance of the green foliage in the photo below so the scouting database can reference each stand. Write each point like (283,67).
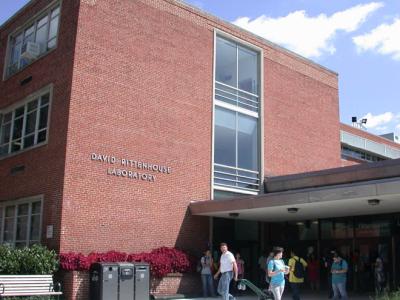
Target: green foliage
(35,260)
(391,296)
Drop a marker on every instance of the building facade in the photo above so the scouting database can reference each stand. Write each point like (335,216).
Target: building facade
(116,115)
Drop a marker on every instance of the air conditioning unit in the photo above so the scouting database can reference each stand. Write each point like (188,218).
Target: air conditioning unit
(30,50)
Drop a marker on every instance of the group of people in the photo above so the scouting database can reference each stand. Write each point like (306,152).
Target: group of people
(275,273)
(230,267)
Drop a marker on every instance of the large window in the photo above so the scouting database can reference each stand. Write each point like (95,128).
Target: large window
(24,125)
(236,111)
(35,39)
(20,222)
(237,75)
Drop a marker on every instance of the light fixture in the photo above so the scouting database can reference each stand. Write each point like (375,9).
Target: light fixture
(374,202)
(292,210)
(234,215)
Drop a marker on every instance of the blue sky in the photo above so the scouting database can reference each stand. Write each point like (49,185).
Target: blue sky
(358,39)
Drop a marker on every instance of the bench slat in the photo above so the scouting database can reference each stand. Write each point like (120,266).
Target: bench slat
(27,285)
(31,294)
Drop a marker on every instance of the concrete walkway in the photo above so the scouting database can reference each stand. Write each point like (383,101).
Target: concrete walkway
(287,296)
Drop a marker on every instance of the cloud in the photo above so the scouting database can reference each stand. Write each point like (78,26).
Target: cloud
(309,36)
(378,121)
(384,39)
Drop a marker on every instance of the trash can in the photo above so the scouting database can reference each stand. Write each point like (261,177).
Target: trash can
(126,281)
(103,283)
(142,281)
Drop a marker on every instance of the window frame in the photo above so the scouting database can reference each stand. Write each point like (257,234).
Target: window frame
(47,89)
(259,115)
(21,29)
(15,203)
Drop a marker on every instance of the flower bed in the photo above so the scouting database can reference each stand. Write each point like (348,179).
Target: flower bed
(162,261)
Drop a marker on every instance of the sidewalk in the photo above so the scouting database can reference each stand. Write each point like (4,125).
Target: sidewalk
(287,296)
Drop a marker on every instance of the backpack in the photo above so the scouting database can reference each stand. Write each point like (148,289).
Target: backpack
(298,268)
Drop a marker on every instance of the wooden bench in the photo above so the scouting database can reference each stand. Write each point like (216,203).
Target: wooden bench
(28,285)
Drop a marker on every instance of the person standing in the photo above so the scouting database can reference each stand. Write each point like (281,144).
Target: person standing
(240,267)
(262,269)
(276,271)
(313,272)
(297,267)
(380,279)
(228,270)
(267,278)
(339,277)
(206,274)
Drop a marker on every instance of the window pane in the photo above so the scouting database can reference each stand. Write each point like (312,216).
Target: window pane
(15,54)
(35,227)
(42,21)
(226,62)
(7,117)
(5,134)
(29,141)
(51,44)
(1,221)
(29,31)
(55,12)
(30,123)
(22,224)
(23,209)
(10,211)
(8,230)
(16,146)
(32,105)
(19,111)
(248,70)
(3,150)
(247,142)
(44,100)
(43,117)
(42,136)
(225,137)
(36,206)
(53,28)
(41,38)
(17,133)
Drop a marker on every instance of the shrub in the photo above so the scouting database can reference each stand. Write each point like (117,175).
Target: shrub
(162,261)
(35,260)
(390,296)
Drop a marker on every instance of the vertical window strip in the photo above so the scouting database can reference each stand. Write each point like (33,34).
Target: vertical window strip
(240,102)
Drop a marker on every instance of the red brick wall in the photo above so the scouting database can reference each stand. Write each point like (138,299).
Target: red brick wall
(44,166)
(301,121)
(75,285)
(141,90)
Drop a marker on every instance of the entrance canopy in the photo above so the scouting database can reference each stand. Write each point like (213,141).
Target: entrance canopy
(366,189)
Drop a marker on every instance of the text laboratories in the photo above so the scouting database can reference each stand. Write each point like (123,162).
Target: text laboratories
(120,172)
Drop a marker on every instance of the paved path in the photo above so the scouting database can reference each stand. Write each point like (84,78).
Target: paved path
(287,296)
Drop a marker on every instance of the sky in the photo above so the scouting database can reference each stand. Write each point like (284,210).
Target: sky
(360,40)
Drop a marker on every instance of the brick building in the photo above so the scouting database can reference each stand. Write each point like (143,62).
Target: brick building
(116,115)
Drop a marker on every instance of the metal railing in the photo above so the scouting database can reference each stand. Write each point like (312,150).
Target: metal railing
(236,97)
(232,177)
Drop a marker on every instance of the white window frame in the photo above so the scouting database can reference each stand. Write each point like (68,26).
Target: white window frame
(46,90)
(15,203)
(259,115)
(20,30)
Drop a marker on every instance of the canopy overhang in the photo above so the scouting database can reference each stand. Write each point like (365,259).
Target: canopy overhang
(368,189)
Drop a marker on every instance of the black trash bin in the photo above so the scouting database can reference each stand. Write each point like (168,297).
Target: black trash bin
(103,283)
